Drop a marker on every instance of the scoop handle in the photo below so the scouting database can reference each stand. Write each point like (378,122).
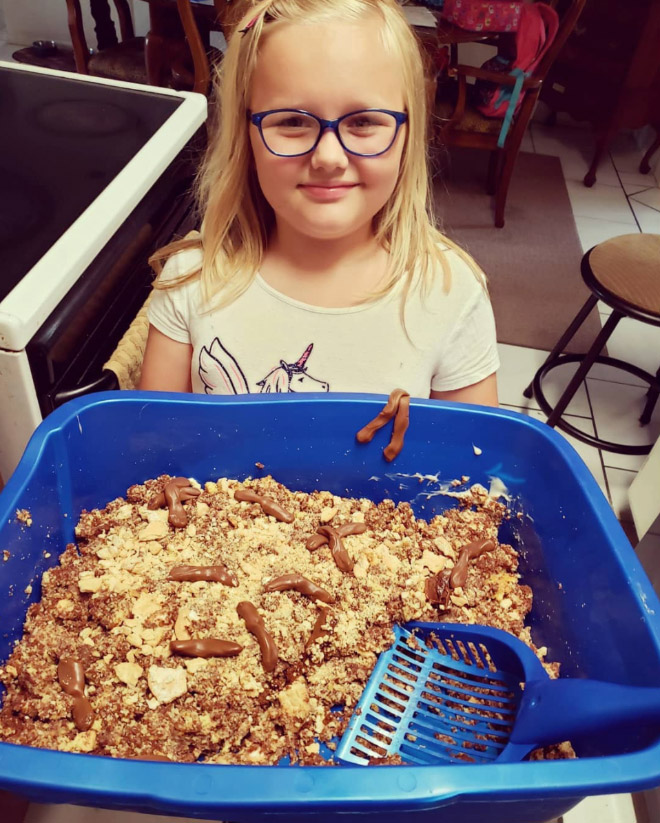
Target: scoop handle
(552,711)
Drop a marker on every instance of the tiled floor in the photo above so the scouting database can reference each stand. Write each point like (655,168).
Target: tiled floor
(621,202)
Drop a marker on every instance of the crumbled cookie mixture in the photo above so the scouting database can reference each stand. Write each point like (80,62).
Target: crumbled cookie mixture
(24,516)
(95,671)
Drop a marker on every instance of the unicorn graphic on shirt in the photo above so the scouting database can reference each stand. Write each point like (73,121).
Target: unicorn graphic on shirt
(220,373)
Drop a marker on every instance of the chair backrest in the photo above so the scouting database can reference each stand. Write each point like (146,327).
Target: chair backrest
(105,28)
(567,20)
(227,12)
(200,59)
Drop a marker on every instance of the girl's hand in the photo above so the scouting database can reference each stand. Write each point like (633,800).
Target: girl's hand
(483,393)
(166,364)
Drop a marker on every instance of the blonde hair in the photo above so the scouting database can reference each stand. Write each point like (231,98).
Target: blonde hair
(237,219)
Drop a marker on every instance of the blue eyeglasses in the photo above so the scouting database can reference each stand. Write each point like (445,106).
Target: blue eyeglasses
(292,133)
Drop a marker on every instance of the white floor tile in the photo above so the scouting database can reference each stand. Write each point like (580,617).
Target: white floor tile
(633,182)
(649,197)
(619,481)
(626,154)
(527,144)
(518,367)
(616,410)
(613,808)
(589,454)
(574,148)
(648,551)
(647,218)
(634,342)
(593,231)
(603,202)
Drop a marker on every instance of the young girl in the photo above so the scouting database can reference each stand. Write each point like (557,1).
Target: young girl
(317,266)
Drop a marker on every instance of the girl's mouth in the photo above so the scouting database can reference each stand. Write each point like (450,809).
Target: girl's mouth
(327,191)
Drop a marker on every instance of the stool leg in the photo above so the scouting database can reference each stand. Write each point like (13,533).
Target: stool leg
(585,365)
(651,399)
(563,341)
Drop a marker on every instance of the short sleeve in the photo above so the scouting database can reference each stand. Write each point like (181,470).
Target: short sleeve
(469,351)
(169,309)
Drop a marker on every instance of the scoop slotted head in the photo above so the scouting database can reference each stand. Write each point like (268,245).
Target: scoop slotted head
(446,693)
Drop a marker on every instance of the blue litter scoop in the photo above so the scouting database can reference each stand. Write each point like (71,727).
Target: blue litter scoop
(478,695)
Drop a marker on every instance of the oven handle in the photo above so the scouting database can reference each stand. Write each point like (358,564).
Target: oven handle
(106,382)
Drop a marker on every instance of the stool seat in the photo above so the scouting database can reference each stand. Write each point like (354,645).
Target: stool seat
(623,272)
(628,268)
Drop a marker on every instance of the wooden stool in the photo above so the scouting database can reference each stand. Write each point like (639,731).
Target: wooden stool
(624,273)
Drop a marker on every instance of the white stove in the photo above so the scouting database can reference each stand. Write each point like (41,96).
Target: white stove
(94,175)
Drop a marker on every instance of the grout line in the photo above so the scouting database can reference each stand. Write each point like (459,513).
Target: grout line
(639,202)
(627,196)
(618,382)
(620,469)
(641,191)
(531,409)
(600,451)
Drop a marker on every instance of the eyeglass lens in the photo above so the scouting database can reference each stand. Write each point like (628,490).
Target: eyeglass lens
(365,132)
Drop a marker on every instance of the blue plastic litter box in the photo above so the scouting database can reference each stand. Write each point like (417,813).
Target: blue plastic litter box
(593,606)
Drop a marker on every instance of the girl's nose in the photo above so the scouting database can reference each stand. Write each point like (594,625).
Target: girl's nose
(329,152)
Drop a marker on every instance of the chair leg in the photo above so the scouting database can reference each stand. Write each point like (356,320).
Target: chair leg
(493,169)
(503,184)
(602,144)
(566,337)
(651,399)
(645,166)
(585,365)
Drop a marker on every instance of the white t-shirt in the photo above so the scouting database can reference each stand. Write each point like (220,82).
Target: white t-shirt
(267,342)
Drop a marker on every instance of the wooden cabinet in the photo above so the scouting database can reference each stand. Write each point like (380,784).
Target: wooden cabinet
(608,73)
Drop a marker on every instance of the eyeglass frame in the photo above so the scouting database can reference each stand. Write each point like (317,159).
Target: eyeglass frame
(256,119)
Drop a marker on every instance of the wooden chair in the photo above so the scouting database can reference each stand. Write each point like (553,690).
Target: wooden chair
(124,58)
(204,56)
(121,59)
(458,123)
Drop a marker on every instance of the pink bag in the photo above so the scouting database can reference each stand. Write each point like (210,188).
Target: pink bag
(484,15)
(537,30)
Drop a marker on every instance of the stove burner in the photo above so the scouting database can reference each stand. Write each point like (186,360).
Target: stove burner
(84,118)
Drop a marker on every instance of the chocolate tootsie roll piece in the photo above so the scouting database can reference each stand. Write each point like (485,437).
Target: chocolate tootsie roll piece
(458,575)
(300,584)
(437,589)
(267,504)
(255,625)
(401,422)
(215,574)
(319,629)
(83,713)
(366,433)
(173,495)
(337,548)
(71,676)
(317,540)
(206,647)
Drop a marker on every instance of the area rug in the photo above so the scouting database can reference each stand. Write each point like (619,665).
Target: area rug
(533,262)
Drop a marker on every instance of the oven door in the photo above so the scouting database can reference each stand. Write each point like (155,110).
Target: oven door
(67,353)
